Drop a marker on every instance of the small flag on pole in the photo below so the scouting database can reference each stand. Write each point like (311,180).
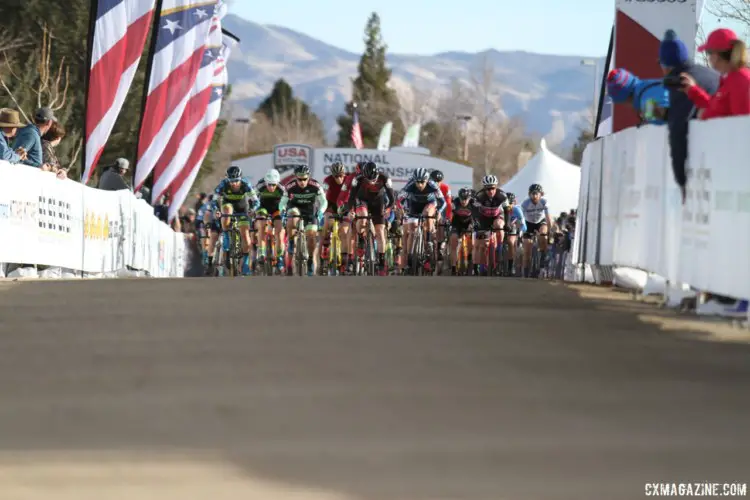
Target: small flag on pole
(356,130)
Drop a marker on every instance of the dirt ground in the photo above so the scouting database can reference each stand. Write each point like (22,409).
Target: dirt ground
(361,389)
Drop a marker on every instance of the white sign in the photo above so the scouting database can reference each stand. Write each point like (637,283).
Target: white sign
(285,155)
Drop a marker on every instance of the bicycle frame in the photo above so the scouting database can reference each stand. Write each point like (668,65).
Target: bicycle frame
(465,247)
(232,258)
(367,266)
(418,254)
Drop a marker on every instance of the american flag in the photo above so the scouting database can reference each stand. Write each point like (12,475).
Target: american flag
(179,51)
(179,145)
(182,183)
(356,131)
(120,28)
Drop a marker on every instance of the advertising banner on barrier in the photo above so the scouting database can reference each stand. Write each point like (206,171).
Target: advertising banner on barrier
(593,207)
(62,223)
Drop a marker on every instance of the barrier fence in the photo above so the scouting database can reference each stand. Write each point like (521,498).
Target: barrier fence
(630,212)
(61,223)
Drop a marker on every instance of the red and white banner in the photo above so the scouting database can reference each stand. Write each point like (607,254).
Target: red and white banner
(179,51)
(119,34)
(204,132)
(639,27)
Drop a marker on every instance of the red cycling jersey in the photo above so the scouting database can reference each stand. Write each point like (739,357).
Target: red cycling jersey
(446,190)
(333,191)
(346,188)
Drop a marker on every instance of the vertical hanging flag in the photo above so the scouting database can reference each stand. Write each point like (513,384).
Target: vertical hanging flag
(182,183)
(117,36)
(356,130)
(384,141)
(179,50)
(180,143)
(411,139)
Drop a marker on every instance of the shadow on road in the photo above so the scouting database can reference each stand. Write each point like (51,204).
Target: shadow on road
(361,389)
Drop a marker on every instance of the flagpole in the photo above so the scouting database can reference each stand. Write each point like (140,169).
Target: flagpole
(604,82)
(146,83)
(354,110)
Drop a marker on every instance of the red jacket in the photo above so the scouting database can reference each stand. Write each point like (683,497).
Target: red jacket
(732,98)
(346,188)
(446,190)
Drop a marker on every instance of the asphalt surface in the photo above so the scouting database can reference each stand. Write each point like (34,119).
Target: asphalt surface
(356,389)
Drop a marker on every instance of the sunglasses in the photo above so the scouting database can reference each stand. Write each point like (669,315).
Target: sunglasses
(303,179)
(420,182)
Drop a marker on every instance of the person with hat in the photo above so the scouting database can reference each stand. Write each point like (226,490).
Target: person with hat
(674,59)
(30,137)
(727,54)
(10,122)
(649,98)
(112,178)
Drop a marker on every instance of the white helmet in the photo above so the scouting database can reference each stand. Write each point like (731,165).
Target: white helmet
(272,177)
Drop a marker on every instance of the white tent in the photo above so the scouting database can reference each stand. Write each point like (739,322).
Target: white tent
(561,180)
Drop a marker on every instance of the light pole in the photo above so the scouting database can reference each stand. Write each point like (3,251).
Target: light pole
(594,103)
(248,123)
(464,119)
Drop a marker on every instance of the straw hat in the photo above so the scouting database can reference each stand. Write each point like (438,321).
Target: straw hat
(9,118)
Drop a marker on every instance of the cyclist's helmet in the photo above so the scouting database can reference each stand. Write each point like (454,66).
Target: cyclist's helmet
(337,168)
(489,181)
(358,167)
(437,176)
(272,177)
(302,171)
(535,188)
(421,175)
(511,197)
(370,171)
(464,194)
(234,173)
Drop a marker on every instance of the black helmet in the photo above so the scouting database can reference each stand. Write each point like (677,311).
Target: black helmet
(370,171)
(437,176)
(536,188)
(511,197)
(234,173)
(302,171)
(337,168)
(464,194)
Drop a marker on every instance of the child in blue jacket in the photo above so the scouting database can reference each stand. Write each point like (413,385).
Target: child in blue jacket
(649,97)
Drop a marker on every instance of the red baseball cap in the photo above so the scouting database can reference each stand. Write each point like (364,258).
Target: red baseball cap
(719,40)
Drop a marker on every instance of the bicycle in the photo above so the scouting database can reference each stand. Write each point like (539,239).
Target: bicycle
(365,262)
(333,253)
(444,256)
(300,248)
(267,260)
(464,261)
(422,261)
(233,258)
(490,252)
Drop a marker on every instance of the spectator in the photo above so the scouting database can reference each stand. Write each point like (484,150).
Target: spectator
(727,54)
(50,140)
(161,209)
(112,178)
(30,137)
(144,194)
(649,98)
(188,222)
(10,122)
(675,60)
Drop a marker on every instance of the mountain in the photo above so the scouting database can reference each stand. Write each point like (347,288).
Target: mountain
(552,94)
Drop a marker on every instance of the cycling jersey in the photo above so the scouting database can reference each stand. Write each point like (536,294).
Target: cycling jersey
(517,220)
(333,190)
(417,200)
(377,192)
(463,216)
(304,199)
(491,206)
(270,200)
(346,188)
(239,198)
(446,190)
(535,213)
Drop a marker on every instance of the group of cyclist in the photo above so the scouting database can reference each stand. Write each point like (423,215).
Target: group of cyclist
(366,195)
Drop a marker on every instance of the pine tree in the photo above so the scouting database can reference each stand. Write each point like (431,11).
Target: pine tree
(284,110)
(377,103)
(584,138)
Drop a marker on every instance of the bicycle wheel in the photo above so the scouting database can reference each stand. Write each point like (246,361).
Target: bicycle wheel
(370,249)
(417,256)
(491,254)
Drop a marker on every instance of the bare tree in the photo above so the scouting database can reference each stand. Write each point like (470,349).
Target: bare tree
(487,105)
(416,105)
(733,10)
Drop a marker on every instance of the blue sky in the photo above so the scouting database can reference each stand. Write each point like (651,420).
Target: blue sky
(581,27)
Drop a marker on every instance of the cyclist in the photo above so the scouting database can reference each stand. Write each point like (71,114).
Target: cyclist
(333,185)
(200,228)
(493,212)
(237,196)
(462,221)
(437,177)
(210,217)
(302,194)
(517,226)
(537,226)
(270,191)
(374,192)
(347,241)
(420,196)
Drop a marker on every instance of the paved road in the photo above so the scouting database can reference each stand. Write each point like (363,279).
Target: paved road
(355,389)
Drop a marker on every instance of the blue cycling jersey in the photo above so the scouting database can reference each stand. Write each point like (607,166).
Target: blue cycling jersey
(517,218)
(417,199)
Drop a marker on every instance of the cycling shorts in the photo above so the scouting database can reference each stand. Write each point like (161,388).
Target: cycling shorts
(487,223)
(239,207)
(459,226)
(309,220)
(532,229)
(375,210)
